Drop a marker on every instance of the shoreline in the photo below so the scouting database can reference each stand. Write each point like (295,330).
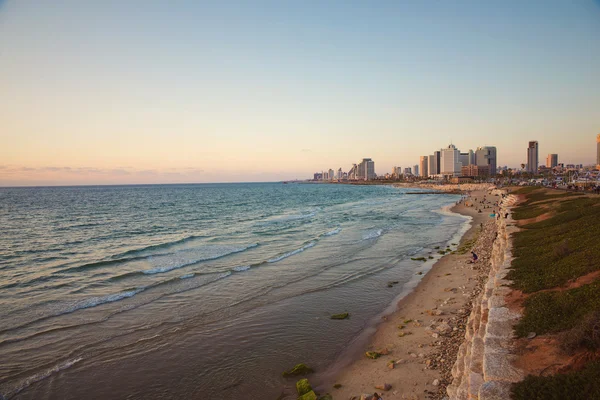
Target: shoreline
(436,298)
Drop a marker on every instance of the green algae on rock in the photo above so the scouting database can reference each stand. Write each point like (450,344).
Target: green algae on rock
(308,396)
(303,387)
(340,316)
(373,354)
(299,369)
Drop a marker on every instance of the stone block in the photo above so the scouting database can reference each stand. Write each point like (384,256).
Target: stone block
(494,391)
(498,367)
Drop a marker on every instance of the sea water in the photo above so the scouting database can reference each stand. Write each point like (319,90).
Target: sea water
(199,291)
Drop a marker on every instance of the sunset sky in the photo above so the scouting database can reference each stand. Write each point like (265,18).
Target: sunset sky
(101,92)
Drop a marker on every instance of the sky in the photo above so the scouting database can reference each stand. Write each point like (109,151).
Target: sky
(115,92)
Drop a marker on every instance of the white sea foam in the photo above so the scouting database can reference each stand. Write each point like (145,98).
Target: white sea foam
(186,276)
(241,268)
(39,376)
(372,234)
(333,232)
(193,256)
(291,253)
(98,300)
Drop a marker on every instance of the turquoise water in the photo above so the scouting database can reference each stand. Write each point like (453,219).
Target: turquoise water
(192,291)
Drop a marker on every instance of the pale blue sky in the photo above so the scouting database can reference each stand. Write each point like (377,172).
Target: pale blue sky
(148,91)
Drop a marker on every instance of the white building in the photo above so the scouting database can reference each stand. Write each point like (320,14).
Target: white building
(450,161)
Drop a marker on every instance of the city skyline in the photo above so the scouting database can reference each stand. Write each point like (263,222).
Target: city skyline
(212,93)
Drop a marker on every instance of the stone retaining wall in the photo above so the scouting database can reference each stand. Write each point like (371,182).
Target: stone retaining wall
(483,368)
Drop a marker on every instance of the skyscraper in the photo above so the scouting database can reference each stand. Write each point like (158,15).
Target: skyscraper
(486,156)
(551,160)
(450,161)
(431,165)
(416,169)
(366,170)
(532,157)
(438,160)
(423,166)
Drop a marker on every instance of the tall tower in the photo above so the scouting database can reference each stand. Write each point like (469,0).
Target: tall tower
(423,166)
(532,157)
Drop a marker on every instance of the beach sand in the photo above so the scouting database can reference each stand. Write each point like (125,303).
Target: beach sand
(421,353)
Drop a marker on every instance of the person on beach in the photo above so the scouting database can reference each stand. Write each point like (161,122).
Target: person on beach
(474,259)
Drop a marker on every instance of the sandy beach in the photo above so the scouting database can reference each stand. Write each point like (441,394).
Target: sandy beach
(418,342)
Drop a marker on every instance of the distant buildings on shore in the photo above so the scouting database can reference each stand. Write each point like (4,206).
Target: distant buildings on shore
(363,171)
(450,164)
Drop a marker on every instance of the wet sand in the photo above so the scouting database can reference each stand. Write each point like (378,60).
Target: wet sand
(422,336)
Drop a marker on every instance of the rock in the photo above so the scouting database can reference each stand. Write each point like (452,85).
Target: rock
(385,386)
(435,335)
(337,385)
(384,352)
(443,328)
(413,355)
(299,369)
(308,396)
(303,387)
(531,335)
(340,316)
(373,354)
(391,364)
(435,382)
(326,396)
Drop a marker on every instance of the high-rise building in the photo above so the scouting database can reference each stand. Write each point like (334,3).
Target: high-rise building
(407,171)
(431,165)
(551,160)
(486,156)
(598,151)
(423,166)
(331,174)
(532,157)
(438,162)
(467,158)
(450,161)
(366,170)
(352,173)
(416,169)
(340,173)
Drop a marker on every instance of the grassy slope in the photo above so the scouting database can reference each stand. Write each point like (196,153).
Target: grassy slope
(548,254)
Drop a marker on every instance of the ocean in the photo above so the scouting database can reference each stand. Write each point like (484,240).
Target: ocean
(206,291)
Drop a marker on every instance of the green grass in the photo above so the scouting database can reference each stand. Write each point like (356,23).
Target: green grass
(579,385)
(552,312)
(549,253)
